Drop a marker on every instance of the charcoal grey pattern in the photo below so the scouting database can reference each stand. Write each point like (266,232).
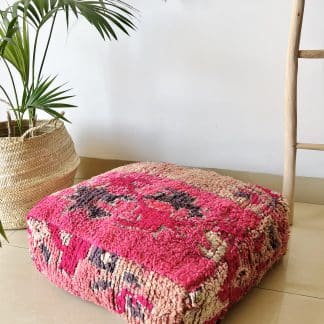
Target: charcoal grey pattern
(96,258)
(274,242)
(86,198)
(100,285)
(243,194)
(46,252)
(131,279)
(178,200)
(135,310)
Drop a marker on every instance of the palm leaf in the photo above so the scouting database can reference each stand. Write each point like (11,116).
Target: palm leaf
(104,15)
(7,30)
(38,12)
(15,46)
(44,98)
(108,17)
(2,233)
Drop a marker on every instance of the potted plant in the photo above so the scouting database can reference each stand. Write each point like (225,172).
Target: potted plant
(37,157)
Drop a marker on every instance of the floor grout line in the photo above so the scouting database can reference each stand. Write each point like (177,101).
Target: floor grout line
(290,293)
(16,246)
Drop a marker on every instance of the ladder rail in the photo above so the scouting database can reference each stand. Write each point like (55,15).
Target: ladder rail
(291,146)
(289,175)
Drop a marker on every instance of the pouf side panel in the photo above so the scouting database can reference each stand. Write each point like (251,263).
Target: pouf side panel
(117,284)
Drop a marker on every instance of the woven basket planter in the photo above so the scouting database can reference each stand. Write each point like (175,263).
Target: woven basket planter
(33,167)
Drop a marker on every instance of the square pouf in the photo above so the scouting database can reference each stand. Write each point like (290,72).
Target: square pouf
(159,243)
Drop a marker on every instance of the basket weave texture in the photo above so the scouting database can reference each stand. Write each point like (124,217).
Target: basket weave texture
(32,168)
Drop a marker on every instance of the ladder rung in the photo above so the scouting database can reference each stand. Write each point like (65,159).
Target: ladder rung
(311,54)
(308,146)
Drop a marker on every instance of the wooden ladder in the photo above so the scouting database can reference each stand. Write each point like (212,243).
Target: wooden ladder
(291,145)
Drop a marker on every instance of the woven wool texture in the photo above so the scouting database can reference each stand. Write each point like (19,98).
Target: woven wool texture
(159,243)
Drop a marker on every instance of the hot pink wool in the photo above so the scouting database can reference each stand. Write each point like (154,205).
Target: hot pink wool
(159,243)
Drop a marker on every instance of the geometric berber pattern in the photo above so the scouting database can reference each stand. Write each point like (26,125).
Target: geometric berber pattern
(159,243)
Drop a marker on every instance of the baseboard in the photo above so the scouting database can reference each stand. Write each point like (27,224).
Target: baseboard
(308,190)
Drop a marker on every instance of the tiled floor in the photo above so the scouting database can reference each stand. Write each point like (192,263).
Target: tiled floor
(292,293)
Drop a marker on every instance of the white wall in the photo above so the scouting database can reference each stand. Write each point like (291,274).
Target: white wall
(200,83)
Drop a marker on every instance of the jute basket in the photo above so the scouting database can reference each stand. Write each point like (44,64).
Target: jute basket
(32,167)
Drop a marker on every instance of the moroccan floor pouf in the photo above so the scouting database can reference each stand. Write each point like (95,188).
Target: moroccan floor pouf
(159,243)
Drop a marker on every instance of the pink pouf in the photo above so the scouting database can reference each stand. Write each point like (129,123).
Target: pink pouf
(159,243)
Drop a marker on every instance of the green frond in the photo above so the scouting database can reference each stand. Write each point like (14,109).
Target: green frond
(18,50)
(44,98)
(2,233)
(15,44)
(37,12)
(7,31)
(104,15)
